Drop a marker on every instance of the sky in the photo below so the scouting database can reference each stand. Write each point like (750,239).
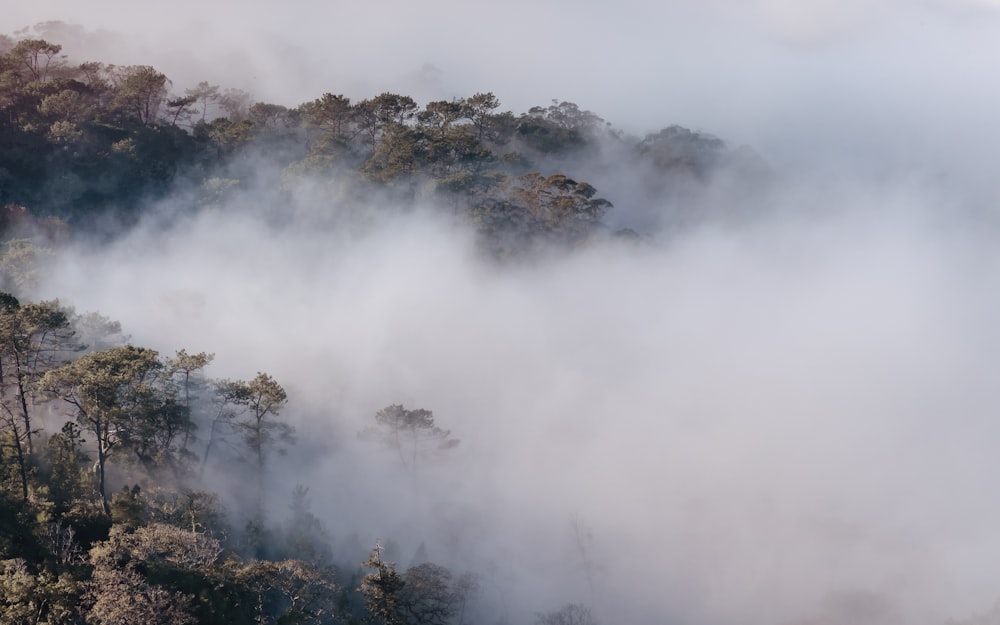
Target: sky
(790,419)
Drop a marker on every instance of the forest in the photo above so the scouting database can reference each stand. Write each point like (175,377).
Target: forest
(139,487)
(107,518)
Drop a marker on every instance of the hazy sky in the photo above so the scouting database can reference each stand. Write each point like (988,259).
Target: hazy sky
(756,421)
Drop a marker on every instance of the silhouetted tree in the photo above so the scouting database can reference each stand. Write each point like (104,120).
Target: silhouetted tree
(116,395)
(411,433)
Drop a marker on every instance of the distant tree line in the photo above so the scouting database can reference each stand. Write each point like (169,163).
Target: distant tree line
(78,141)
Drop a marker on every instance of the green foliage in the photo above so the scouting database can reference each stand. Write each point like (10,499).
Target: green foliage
(138,94)
(533,209)
(69,483)
(21,264)
(381,590)
(37,598)
(559,129)
(155,545)
(197,511)
(287,591)
(118,396)
(85,138)
(35,59)
(32,337)
(123,597)
(251,410)
(18,538)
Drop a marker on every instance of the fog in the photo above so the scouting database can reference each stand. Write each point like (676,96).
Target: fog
(787,417)
(751,420)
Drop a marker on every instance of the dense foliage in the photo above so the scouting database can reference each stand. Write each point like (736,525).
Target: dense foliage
(80,141)
(106,520)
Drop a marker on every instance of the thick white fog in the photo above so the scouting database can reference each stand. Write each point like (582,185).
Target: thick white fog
(785,418)
(752,421)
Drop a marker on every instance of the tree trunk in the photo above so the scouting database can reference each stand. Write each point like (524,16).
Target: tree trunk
(102,456)
(22,395)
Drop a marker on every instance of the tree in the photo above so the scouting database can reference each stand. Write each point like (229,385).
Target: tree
(269,116)
(466,586)
(29,597)
(411,433)
(155,545)
(138,573)
(559,128)
(381,590)
(288,591)
(22,259)
(97,332)
(180,109)
(205,94)
(251,409)
(452,146)
(305,537)
(123,597)
(373,115)
(398,153)
(115,395)
(197,511)
(31,337)
(235,104)
(35,58)
(67,481)
(678,150)
(139,93)
(225,135)
(330,123)
(427,597)
(183,370)
(479,110)
(532,208)
(330,113)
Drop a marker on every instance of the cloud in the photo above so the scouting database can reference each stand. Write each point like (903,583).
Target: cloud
(814,21)
(753,421)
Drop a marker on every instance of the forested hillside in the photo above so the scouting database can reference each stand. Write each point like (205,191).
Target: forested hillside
(107,518)
(442,363)
(85,141)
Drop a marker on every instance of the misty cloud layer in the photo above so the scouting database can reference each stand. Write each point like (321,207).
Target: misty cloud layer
(749,419)
(759,420)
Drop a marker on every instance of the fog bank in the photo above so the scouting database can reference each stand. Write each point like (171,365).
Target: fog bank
(754,421)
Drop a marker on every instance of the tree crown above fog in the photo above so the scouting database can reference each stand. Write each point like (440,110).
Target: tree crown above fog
(91,139)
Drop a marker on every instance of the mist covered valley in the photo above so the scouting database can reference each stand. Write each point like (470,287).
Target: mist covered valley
(674,376)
